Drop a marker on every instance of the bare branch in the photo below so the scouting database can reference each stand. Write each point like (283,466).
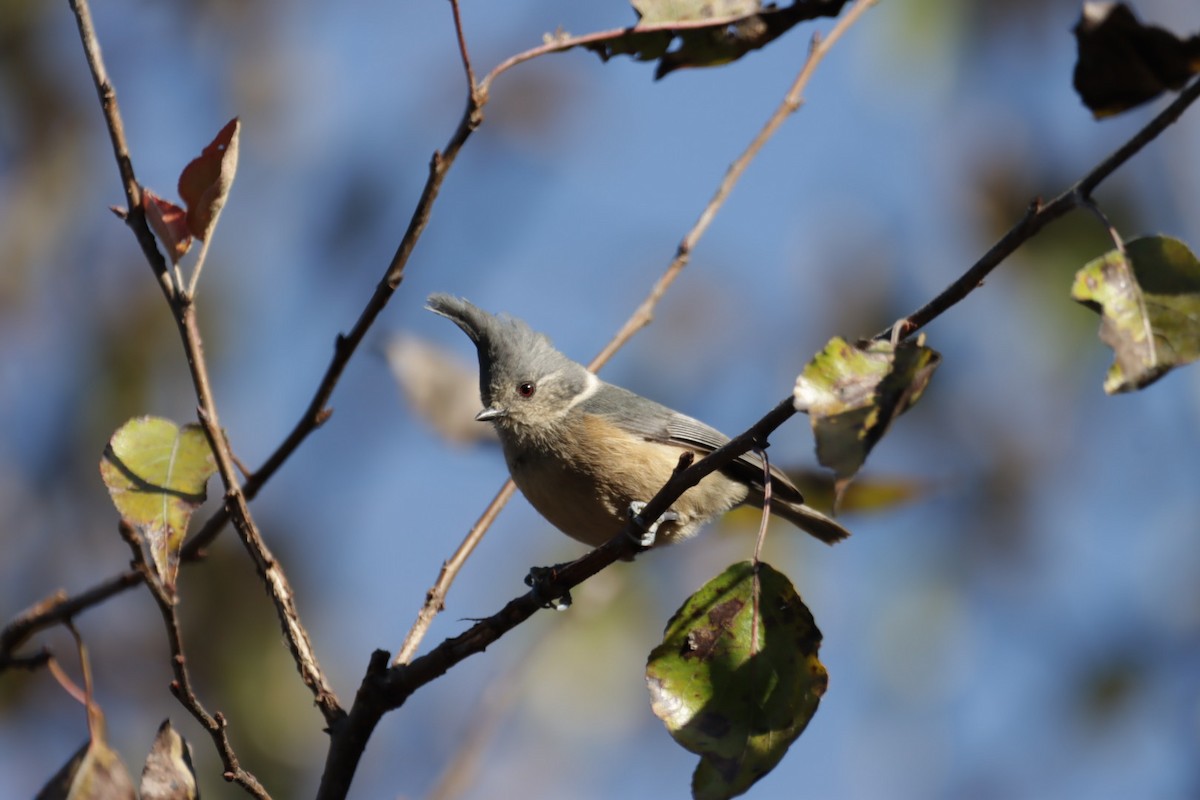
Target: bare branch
(1040,215)
(472,87)
(791,103)
(435,598)
(181,687)
(387,688)
(272,574)
(135,216)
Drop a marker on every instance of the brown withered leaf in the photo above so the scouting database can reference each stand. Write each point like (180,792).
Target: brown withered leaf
(169,223)
(205,182)
(702,33)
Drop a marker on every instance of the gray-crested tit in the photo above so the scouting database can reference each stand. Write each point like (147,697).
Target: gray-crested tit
(587,454)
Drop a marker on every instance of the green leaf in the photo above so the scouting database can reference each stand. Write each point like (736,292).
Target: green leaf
(708,33)
(734,686)
(1149,305)
(156,472)
(854,392)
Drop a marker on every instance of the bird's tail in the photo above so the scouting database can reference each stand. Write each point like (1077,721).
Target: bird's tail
(808,519)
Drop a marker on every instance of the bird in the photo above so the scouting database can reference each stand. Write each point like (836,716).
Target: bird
(588,454)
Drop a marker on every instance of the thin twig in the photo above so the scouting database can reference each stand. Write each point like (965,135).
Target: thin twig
(644,314)
(108,102)
(472,87)
(791,103)
(268,567)
(181,687)
(1039,215)
(435,598)
(135,215)
(1090,204)
(201,257)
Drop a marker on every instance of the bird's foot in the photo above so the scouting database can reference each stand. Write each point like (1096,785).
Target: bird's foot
(539,580)
(649,532)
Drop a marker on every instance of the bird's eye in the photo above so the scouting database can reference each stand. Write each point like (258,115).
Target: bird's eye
(526,389)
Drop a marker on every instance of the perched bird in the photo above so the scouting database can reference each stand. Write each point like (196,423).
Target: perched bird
(588,454)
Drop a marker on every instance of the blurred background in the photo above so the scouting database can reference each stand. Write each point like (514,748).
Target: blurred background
(1027,626)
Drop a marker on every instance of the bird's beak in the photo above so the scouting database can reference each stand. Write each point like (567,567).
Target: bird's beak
(491,414)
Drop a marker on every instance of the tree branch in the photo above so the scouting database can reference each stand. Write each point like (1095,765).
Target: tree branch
(386,688)
(1038,216)
(181,687)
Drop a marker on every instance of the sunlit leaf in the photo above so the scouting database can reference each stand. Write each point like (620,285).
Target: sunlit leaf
(156,473)
(734,687)
(205,182)
(854,392)
(1123,63)
(169,223)
(1149,306)
(695,33)
(653,12)
(168,774)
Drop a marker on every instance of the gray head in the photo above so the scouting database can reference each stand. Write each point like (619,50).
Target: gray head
(524,383)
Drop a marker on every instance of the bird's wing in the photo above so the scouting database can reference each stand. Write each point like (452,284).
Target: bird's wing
(657,423)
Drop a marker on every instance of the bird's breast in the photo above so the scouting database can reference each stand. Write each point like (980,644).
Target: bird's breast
(583,480)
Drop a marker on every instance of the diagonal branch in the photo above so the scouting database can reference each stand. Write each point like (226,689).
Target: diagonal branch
(387,688)
(1038,216)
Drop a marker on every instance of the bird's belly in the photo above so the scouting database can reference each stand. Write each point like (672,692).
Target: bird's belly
(593,510)
(569,499)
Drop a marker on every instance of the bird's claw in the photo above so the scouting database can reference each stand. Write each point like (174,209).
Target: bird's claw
(649,531)
(538,579)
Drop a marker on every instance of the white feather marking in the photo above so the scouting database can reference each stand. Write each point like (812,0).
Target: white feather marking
(593,386)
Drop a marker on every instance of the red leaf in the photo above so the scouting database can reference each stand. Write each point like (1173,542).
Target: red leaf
(204,183)
(169,224)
